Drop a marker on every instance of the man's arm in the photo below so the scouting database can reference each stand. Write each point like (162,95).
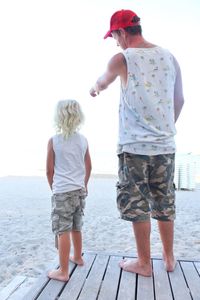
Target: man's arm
(178,92)
(50,163)
(116,67)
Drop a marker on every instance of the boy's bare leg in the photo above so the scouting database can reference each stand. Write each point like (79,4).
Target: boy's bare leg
(166,229)
(63,250)
(77,243)
(142,265)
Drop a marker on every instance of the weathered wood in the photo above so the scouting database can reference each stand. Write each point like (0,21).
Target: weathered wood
(192,278)
(145,288)
(178,284)
(93,282)
(111,280)
(197,265)
(40,283)
(101,278)
(54,287)
(22,289)
(11,287)
(127,287)
(77,280)
(161,281)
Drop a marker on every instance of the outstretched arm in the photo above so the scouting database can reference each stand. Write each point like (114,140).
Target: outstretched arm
(50,163)
(116,67)
(178,92)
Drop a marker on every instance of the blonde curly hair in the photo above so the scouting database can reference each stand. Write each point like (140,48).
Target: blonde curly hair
(68,117)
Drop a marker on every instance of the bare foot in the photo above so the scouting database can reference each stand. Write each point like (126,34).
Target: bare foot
(58,275)
(134,267)
(170,263)
(78,261)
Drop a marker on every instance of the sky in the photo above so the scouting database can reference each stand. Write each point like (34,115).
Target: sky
(52,50)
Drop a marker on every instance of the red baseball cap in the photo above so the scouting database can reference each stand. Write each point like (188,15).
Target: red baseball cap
(122,19)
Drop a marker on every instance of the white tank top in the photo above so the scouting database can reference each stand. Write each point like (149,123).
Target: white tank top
(146,112)
(69,168)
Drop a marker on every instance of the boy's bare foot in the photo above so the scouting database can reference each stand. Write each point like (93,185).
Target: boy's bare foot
(134,267)
(58,275)
(170,263)
(77,261)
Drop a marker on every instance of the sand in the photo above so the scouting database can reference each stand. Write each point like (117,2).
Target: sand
(27,243)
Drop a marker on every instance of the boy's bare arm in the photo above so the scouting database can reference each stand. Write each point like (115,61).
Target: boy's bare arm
(88,167)
(50,163)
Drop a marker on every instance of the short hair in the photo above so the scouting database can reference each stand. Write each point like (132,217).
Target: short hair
(68,117)
(132,30)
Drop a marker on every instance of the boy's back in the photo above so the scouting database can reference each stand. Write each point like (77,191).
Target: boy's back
(69,167)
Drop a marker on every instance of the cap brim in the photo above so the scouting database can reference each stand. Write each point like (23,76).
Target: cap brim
(108,34)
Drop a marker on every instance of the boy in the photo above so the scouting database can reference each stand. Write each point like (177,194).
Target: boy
(68,170)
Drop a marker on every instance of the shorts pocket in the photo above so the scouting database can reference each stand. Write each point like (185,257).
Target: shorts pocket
(82,203)
(55,223)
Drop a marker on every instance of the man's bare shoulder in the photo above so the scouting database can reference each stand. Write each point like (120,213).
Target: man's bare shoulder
(118,59)
(117,63)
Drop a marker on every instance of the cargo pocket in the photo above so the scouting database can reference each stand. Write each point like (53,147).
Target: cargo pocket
(123,195)
(55,223)
(82,205)
(82,197)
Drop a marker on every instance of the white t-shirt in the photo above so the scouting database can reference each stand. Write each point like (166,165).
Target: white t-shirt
(69,168)
(146,111)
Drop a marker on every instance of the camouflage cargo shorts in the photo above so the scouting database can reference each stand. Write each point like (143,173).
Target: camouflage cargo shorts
(145,187)
(67,211)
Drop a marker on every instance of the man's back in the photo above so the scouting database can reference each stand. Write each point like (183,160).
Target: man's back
(147,101)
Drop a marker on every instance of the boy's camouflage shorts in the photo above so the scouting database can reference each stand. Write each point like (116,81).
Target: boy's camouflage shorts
(145,187)
(67,211)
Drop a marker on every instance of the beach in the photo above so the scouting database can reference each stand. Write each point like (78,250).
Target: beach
(27,242)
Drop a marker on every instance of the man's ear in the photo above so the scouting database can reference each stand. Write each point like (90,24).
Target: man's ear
(121,31)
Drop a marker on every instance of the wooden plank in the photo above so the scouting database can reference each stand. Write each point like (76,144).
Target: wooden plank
(192,279)
(130,255)
(161,281)
(11,287)
(127,287)
(40,283)
(178,284)
(101,278)
(197,265)
(93,282)
(23,289)
(54,287)
(76,282)
(111,280)
(145,288)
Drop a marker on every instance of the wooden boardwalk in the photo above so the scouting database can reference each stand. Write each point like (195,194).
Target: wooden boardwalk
(101,278)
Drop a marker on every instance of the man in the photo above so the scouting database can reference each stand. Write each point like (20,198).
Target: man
(151,100)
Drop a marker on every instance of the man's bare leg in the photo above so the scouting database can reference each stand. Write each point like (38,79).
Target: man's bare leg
(63,249)
(166,229)
(77,243)
(142,265)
